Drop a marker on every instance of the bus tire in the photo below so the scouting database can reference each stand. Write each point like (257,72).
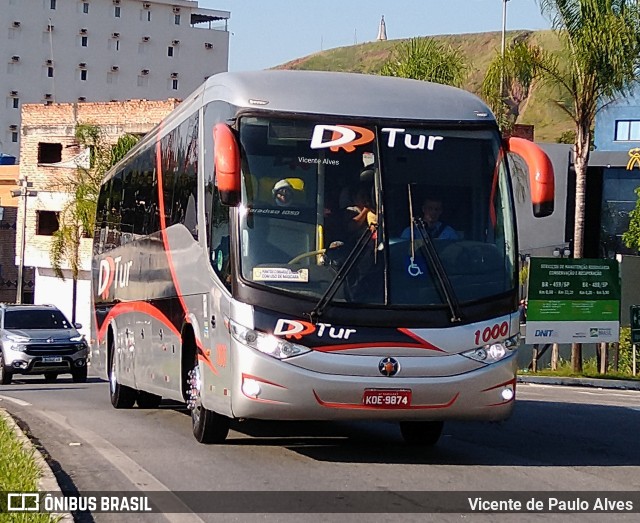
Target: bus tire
(421,433)
(122,397)
(146,400)
(208,426)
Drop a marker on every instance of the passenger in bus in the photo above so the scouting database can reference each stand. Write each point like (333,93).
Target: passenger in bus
(283,193)
(363,211)
(432,208)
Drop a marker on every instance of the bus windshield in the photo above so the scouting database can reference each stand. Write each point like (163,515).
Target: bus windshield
(313,188)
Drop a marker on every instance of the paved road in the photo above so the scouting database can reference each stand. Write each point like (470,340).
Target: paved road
(559,438)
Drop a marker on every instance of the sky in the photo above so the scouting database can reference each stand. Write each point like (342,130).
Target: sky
(266,33)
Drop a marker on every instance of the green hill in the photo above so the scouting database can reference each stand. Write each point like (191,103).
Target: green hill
(479,49)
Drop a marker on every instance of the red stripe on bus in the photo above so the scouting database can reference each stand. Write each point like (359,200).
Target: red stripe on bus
(420,340)
(135,306)
(167,250)
(378,344)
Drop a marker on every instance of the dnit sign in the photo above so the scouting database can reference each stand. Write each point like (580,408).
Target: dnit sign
(635,323)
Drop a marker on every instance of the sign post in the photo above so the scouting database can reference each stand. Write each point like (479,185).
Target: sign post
(573,301)
(635,331)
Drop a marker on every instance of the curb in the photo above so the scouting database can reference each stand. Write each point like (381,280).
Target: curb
(47,481)
(581,382)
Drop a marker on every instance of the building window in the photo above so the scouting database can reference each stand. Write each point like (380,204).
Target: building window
(116,11)
(627,130)
(49,152)
(176,19)
(85,7)
(47,223)
(16,103)
(84,41)
(53,4)
(170,51)
(145,14)
(174,84)
(83,74)
(14,136)
(50,72)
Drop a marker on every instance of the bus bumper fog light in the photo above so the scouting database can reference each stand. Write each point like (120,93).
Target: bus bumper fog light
(507,393)
(251,388)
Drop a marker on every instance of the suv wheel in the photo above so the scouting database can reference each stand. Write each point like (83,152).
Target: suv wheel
(50,377)
(5,375)
(79,375)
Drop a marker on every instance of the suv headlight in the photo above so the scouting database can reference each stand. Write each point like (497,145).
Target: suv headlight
(17,342)
(266,343)
(77,338)
(493,352)
(16,338)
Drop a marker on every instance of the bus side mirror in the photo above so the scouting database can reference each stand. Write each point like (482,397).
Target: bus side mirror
(541,177)
(226,160)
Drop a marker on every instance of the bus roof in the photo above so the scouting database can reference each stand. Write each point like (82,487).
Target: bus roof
(348,94)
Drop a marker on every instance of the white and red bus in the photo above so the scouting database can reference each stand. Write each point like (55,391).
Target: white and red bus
(266,253)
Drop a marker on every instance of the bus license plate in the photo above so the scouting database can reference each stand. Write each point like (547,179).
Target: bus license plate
(52,359)
(387,399)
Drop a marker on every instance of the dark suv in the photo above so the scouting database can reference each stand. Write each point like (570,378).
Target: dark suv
(38,339)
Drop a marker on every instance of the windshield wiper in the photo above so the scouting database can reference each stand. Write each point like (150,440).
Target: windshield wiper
(438,269)
(342,273)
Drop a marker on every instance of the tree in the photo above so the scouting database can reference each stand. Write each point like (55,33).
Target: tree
(508,81)
(631,237)
(601,45)
(77,217)
(428,60)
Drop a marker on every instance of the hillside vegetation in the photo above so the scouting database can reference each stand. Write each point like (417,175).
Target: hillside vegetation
(479,49)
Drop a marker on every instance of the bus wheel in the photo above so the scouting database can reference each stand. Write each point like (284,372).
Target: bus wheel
(422,433)
(208,426)
(146,400)
(122,397)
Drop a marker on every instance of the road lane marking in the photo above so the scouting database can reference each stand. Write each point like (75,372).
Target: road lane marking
(16,401)
(130,468)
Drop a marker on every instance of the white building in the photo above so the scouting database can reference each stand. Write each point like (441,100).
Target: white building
(103,50)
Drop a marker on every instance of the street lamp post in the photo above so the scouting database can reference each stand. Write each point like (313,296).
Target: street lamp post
(23,193)
(503,45)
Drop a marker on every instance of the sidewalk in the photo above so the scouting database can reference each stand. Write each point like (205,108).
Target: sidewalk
(47,482)
(581,382)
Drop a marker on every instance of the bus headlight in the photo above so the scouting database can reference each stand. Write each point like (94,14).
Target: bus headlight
(493,352)
(266,343)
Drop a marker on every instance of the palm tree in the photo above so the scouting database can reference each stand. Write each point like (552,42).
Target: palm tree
(601,46)
(428,60)
(77,218)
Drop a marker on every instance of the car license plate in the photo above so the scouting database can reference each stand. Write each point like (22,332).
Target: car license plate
(387,399)
(52,359)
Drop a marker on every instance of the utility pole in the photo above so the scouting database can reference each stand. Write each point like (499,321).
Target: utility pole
(503,45)
(23,193)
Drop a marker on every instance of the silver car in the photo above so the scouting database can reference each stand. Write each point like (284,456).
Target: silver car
(38,339)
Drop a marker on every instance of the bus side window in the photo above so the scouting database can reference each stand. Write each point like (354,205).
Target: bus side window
(220,239)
